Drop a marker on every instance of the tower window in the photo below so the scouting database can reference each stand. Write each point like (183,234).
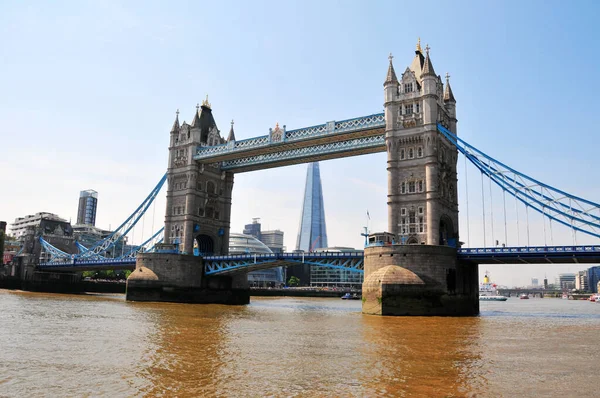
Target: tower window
(420,152)
(408,109)
(403,211)
(420,210)
(402,154)
(411,187)
(408,88)
(201,212)
(420,185)
(411,153)
(210,187)
(417,107)
(403,187)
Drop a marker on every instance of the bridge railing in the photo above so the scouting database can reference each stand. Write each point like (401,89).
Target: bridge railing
(274,256)
(530,250)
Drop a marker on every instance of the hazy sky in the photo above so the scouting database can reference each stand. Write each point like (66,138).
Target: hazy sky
(90,89)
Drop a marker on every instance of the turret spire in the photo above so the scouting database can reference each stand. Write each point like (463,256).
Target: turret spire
(448,95)
(231,136)
(391,74)
(175,127)
(205,103)
(428,66)
(419,46)
(196,119)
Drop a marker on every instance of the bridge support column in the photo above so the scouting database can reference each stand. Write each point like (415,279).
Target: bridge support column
(418,280)
(179,278)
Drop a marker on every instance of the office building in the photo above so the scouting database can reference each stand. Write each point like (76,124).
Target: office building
(567,281)
(88,203)
(21,224)
(273,239)
(581,283)
(593,278)
(253,229)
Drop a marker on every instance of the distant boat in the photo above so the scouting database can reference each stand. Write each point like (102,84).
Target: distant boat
(349,296)
(488,291)
(524,296)
(565,296)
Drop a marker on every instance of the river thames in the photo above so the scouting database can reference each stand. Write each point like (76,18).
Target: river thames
(101,345)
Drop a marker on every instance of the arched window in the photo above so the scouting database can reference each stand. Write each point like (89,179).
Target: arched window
(210,187)
(411,153)
(420,152)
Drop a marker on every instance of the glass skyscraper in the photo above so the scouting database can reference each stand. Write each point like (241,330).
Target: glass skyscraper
(88,202)
(313,231)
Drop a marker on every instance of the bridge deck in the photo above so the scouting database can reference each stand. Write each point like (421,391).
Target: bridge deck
(354,261)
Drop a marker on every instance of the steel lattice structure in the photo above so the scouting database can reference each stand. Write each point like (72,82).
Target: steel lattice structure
(572,211)
(215,265)
(291,136)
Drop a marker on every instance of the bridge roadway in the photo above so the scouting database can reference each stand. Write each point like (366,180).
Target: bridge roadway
(353,261)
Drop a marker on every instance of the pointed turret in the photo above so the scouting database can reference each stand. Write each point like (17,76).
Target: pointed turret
(427,66)
(175,127)
(448,95)
(391,74)
(196,119)
(231,136)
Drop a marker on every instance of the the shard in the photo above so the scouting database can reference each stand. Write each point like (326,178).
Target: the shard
(313,232)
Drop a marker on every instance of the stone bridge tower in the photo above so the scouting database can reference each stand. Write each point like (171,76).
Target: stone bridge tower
(417,272)
(198,195)
(197,222)
(422,183)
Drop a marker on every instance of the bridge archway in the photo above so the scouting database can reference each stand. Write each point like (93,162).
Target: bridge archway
(446,237)
(205,244)
(412,241)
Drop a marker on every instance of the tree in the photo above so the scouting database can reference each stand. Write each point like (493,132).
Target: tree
(294,281)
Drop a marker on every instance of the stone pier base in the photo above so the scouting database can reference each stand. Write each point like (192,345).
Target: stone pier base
(179,278)
(418,280)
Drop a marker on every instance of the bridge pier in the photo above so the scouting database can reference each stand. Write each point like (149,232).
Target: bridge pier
(418,280)
(179,278)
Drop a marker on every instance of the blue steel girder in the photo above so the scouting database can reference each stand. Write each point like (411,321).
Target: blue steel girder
(218,265)
(333,150)
(329,132)
(569,210)
(531,255)
(76,265)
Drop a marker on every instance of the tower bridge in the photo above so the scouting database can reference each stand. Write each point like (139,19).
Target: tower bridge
(418,268)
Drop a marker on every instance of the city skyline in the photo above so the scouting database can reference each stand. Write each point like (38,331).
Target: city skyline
(131,137)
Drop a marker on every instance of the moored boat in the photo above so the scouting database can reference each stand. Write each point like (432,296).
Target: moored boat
(524,296)
(488,290)
(349,296)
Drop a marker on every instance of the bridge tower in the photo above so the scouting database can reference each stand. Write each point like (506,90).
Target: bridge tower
(197,221)
(418,274)
(198,196)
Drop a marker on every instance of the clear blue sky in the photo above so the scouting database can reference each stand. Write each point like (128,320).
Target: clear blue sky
(90,88)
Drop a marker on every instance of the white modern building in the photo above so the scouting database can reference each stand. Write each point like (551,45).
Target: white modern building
(248,244)
(21,224)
